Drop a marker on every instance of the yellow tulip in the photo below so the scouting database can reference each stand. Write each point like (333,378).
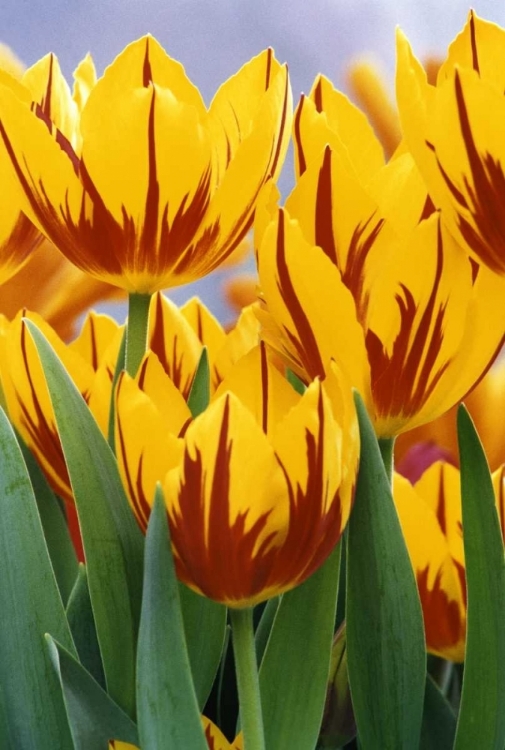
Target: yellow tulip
(454,130)
(88,360)
(258,488)
(430,517)
(360,276)
(157,190)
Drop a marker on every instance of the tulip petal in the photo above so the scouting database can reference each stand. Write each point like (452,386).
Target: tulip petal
(228,506)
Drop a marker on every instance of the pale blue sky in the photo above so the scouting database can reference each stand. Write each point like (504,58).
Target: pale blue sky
(213,38)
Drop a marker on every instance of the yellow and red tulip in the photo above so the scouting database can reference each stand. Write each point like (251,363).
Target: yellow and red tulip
(457,145)
(430,516)
(156,190)
(258,488)
(380,289)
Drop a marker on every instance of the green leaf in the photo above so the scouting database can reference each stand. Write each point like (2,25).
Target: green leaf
(120,366)
(199,395)
(32,711)
(481,720)
(385,637)
(56,533)
(204,627)
(94,717)
(82,624)
(168,713)
(439,721)
(265,626)
(296,664)
(111,538)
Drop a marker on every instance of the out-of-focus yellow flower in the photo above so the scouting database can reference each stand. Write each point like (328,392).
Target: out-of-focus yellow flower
(258,488)
(10,62)
(160,190)
(455,133)
(430,517)
(368,89)
(54,288)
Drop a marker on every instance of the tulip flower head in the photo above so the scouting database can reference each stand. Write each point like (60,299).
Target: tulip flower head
(456,141)
(258,488)
(357,268)
(156,190)
(430,516)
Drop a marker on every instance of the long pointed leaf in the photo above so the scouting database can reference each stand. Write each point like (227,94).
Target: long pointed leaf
(82,624)
(59,544)
(168,714)
(481,720)
(112,542)
(32,712)
(94,717)
(439,721)
(385,637)
(296,664)
(204,626)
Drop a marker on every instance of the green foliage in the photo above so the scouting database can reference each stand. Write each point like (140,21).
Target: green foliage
(94,718)
(111,538)
(295,667)
(32,714)
(168,714)
(385,636)
(481,720)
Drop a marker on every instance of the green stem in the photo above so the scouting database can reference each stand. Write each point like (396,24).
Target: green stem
(136,331)
(251,718)
(386,446)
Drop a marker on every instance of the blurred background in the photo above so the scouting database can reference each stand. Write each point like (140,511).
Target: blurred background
(213,38)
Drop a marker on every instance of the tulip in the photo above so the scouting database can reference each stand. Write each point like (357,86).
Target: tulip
(430,517)
(258,488)
(26,393)
(159,190)
(457,144)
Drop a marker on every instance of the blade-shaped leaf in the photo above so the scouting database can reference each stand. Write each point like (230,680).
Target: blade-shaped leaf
(112,541)
(199,394)
(59,544)
(168,714)
(385,637)
(94,717)
(296,664)
(204,626)
(264,628)
(439,722)
(82,624)
(32,711)
(481,721)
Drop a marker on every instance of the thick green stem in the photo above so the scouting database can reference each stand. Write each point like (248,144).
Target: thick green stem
(251,718)
(136,332)
(386,446)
